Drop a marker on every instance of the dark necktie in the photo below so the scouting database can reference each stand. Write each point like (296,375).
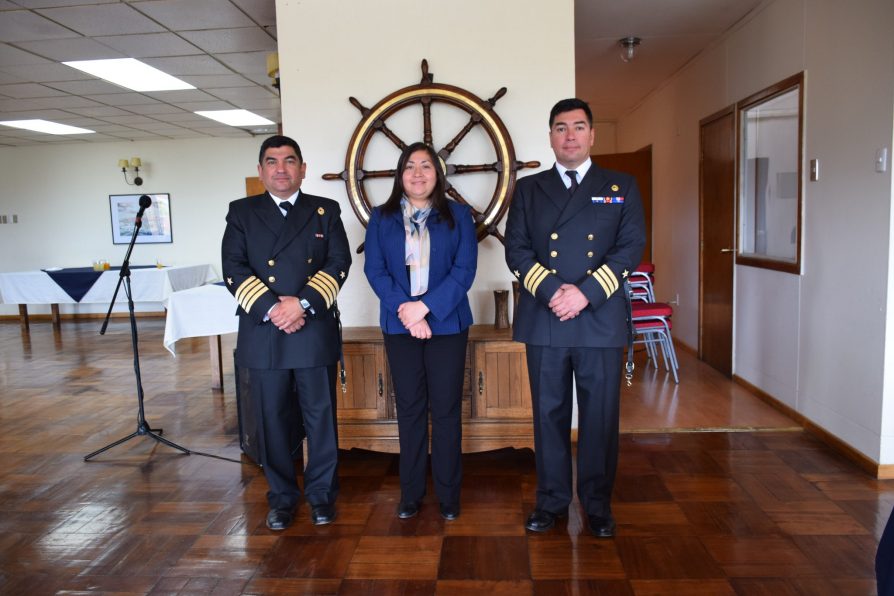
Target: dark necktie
(573,175)
(285,206)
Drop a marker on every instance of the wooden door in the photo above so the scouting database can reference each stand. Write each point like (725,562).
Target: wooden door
(717,235)
(500,386)
(639,165)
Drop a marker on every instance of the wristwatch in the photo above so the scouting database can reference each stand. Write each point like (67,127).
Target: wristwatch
(306,306)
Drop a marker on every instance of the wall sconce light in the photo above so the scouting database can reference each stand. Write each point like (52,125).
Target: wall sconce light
(273,68)
(134,163)
(628,47)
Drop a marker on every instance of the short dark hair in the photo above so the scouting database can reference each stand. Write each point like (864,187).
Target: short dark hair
(278,141)
(567,105)
(439,200)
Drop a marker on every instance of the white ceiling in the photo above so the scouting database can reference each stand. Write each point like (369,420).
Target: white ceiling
(220,46)
(672,33)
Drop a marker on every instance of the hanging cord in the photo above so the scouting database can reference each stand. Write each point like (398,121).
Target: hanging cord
(631,331)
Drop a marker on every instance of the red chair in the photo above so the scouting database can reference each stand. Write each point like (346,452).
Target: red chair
(652,323)
(641,283)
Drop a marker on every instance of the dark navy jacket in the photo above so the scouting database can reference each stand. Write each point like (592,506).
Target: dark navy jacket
(264,256)
(452,264)
(592,240)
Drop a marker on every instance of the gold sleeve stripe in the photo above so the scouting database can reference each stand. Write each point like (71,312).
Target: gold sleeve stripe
(535,283)
(324,279)
(605,287)
(250,298)
(607,280)
(534,276)
(332,280)
(246,286)
(325,292)
(611,278)
(322,288)
(534,269)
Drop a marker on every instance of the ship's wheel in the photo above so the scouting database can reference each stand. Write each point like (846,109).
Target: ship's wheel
(427,94)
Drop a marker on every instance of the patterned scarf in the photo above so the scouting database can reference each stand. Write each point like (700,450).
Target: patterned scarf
(418,246)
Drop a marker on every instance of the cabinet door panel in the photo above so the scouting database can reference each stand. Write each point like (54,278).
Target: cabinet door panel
(501,375)
(365,369)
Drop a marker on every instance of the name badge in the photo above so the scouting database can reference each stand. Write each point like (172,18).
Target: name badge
(604,200)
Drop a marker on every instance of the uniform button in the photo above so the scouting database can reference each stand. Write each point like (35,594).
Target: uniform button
(589,271)
(590,254)
(554,253)
(271,262)
(553,271)
(554,236)
(310,260)
(589,236)
(271,279)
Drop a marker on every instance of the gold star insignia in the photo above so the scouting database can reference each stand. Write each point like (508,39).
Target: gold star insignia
(624,273)
(614,187)
(320,210)
(341,274)
(517,274)
(229,281)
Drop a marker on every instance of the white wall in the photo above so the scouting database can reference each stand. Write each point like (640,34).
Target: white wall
(61,196)
(370,49)
(817,341)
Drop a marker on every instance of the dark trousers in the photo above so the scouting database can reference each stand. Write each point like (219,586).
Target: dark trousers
(272,399)
(429,373)
(597,375)
(884,560)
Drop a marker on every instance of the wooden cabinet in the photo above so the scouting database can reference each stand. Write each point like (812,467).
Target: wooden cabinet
(496,394)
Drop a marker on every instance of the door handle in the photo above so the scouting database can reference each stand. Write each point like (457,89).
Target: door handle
(480,382)
(732,250)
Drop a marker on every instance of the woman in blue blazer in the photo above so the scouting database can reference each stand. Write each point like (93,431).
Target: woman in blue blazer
(421,255)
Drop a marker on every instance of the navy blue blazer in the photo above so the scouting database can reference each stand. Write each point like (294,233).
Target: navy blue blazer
(452,264)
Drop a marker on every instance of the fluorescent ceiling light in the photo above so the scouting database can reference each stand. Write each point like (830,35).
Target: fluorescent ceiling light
(53,128)
(130,73)
(235,117)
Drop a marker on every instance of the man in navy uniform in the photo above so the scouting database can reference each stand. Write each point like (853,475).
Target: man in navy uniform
(285,256)
(573,234)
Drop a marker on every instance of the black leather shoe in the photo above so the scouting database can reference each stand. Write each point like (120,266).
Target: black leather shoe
(449,512)
(279,519)
(541,520)
(601,527)
(320,515)
(409,509)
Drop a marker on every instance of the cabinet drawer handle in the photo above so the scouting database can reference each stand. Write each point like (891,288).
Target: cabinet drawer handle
(381,386)
(480,382)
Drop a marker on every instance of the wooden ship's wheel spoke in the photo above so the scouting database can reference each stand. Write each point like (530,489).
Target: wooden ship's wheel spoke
(425,94)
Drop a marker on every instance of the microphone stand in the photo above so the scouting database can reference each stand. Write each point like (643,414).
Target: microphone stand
(142,426)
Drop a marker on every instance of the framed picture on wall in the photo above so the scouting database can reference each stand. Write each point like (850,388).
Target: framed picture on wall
(156,228)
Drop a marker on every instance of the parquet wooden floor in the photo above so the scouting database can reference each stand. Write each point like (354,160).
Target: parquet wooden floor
(754,512)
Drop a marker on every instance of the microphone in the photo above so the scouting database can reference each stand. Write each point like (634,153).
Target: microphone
(145,202)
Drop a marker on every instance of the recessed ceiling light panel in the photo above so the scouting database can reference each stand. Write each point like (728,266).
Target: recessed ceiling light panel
(130,73)
(53,128)
(235,117)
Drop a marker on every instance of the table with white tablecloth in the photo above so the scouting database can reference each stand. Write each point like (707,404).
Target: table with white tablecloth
(199,312)
(151,284)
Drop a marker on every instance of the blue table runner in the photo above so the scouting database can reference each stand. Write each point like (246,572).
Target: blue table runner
(77,281)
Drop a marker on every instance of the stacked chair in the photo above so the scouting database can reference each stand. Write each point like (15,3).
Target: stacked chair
(652,320)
